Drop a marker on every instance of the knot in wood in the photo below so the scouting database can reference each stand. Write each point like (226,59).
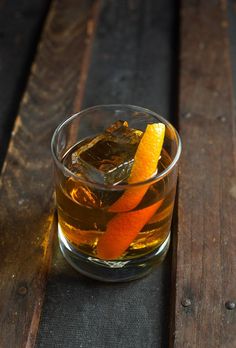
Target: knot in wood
(22,291)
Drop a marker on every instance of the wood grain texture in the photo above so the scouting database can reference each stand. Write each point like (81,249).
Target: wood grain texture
(20,25)
(206,246)
(26,204)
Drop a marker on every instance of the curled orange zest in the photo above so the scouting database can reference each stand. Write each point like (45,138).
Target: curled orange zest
(121,231)
(144,167)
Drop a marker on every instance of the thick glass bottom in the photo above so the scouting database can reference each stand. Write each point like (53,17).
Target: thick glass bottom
(112,271)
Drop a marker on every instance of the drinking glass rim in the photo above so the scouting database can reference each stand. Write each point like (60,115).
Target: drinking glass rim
(117,187)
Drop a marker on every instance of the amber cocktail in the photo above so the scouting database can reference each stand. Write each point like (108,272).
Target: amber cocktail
(115,171)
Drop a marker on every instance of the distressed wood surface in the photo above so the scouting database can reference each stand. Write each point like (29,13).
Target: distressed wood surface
(20,26)
(206,245)
(26,204)
(206,271)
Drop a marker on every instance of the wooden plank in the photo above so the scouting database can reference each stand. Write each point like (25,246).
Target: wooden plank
(206,243)
(26,204)
(20,26)
(232,37)
(131,63)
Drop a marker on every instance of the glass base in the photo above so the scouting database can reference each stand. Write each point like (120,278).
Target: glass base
(112,271)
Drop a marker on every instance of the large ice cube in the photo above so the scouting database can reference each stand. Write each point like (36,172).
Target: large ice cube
(108,157)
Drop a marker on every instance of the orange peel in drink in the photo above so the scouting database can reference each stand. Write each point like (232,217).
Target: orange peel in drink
(123,228)
(144,167)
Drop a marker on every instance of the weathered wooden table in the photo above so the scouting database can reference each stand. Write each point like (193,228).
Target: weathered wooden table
(172,59)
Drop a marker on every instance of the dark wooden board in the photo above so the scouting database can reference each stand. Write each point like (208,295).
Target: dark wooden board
(131,63)
(206,243)
(26,202)
(20,26)
(133,55)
